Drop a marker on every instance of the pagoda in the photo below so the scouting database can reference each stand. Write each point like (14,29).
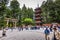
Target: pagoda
(38,18)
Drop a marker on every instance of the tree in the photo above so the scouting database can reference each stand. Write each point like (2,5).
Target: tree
(30,13)
(57,2)
(4,1)
(3,8)
(28,21)
(24,12)
(14,5)
(49,9)
(27,12)
(8,13)
(14,11)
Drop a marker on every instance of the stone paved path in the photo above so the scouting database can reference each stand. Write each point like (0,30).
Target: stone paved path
(24,35)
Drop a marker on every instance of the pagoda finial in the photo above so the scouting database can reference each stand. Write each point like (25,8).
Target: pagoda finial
(37,5)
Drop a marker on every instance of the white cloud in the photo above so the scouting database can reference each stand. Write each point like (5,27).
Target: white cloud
(31,3)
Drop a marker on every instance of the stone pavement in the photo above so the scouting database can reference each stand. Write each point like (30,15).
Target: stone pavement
(24,35)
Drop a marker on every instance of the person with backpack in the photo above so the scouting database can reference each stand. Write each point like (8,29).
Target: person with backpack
(47,32)
(4,33)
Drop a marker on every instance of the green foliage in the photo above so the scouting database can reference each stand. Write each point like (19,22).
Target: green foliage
(14,11)
(27,12)
(3,12)
(24,11)
(4,1)
(14,5)
(51,11)
(2,24)
(10,24)
(30,13)
(27,21)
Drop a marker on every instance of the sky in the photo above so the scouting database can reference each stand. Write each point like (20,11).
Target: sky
(30,3)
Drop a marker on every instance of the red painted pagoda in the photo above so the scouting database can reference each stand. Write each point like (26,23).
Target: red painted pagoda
(38,18)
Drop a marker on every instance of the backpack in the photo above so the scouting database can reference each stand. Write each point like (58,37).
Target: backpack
(47,32)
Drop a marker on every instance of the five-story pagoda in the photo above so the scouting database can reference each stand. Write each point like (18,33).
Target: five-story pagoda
(38,17)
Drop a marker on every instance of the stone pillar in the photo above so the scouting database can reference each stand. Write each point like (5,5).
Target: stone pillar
(15,24)
(7,20)
(7,23)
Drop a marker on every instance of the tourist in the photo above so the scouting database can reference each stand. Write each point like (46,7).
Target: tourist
(26,27)
(4,33)
(59,28)
(56,34)
(51,27)
(11,28)
(47,32)
(19,29)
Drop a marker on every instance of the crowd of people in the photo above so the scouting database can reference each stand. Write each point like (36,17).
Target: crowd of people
(55,29)
(56,32)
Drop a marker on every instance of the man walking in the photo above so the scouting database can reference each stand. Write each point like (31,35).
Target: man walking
(47,32)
